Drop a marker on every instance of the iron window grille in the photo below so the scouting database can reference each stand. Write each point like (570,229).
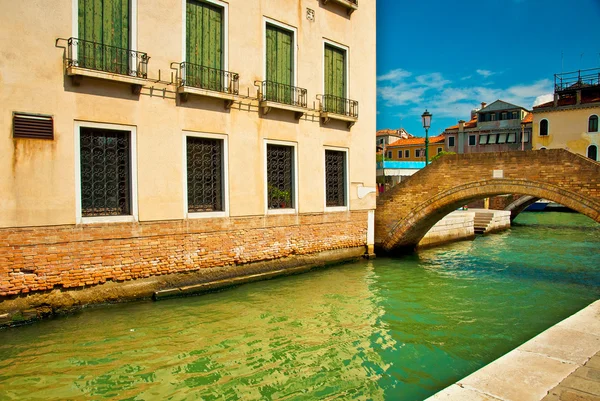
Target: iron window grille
(280,176)
(204,174)
(282,93)
(199,76)
(100,57)
(339,105)
(335,178)
(105,172)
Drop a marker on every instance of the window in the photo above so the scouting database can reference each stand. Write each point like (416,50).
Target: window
(492,117)
(205,45)
(492,138)
(280,62)
(512,138)
(389,154)
(406,154)
(544,127)
(106,188)
(504,115)
(526,136)
(417,153)
(502,138)
(439,150)
(472,140)
(450,141)
(335,79)
(592,152)
(281,179)
(399,154)
(335,178)
(514,115)
(205,177)
(104,32)
(593,124)
(483,139)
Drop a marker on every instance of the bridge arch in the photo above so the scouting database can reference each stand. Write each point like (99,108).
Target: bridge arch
(409,210)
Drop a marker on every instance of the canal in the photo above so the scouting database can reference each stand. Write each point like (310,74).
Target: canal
(397,329)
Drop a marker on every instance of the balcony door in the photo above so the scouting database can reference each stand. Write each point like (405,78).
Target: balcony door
(103,33)
(204,45)
(335,80)
(280,64)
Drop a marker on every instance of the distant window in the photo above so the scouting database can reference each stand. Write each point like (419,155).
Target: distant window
(592,151)
(493,117)
(450,141)
(440,150)
(514,115)
(406,154)
(483,139)
(526,136)
(492,138)
(593,124)
(512,138)
(502,138)
(389,154)
(472,140)
(399,154)
(544,127)
(418,153)
(504,115)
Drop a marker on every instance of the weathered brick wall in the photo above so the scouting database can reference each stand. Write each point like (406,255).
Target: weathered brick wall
(43,258)
(405,213)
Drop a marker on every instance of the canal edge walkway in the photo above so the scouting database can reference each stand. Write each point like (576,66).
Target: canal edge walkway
(548,366)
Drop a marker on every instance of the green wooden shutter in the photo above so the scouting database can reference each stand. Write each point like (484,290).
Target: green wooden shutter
(104,22)
(280,64)
(204,45)
(335,79)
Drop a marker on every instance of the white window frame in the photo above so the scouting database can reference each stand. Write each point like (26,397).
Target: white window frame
(293,210)
(133,217)
(132,25)
(294,30)
(347,183)
(346,49)
(540,127)
(225,178)
(225,8)
(588,124)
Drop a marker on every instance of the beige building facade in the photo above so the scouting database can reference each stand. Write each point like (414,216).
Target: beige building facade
(570,121)
(108,128)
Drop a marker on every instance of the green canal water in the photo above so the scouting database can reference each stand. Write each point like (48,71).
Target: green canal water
(395,329)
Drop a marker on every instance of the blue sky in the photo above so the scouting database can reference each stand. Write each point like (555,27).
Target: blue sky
(449,56)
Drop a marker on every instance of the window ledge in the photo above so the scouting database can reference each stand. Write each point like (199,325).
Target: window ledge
(77,72)
(184,91)
(333,209)
(281,211)
(266,107)
(206,215)
(350,5)
(108,219)
(326,117)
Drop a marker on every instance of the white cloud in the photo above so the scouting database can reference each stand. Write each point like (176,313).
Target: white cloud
(433,80)
(548,97)
(394,75)
(485,73)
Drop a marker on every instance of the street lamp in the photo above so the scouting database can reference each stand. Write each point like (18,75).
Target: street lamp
(426,124)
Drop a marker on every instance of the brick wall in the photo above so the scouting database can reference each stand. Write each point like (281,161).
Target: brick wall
(406,212)
(44,258)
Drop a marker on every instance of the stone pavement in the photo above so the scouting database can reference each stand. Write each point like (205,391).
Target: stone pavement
(560,364)
(581,385)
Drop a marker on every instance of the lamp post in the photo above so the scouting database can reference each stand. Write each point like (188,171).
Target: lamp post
(426,124)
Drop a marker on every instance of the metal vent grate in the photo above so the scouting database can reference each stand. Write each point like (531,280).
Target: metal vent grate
(33,126)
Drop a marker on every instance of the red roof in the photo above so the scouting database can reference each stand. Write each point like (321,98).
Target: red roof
(468,124)
(571,100)
(416,141)
(528,119)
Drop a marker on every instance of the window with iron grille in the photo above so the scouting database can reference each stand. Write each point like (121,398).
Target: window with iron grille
(105,172)
(280,176)
(204,174)
(335,178)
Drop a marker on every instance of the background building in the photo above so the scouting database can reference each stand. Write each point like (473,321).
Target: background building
(386,136)
(142,138)
(570,121)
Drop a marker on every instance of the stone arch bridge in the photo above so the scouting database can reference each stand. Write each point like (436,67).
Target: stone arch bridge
(406,212)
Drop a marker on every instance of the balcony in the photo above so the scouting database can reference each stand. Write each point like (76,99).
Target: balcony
(97,60)
(351,5)
(572,81)
(338,108)
(273,95)
(210,82)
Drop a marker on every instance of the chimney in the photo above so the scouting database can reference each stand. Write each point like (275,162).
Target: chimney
(483,104)
(461,125)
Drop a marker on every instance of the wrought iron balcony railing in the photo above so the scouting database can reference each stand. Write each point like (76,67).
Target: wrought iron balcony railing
(199,76)
(282,93)
(101,57)
(577,79)
(339,105)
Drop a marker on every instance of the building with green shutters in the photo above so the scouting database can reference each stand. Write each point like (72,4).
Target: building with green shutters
(165,143)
